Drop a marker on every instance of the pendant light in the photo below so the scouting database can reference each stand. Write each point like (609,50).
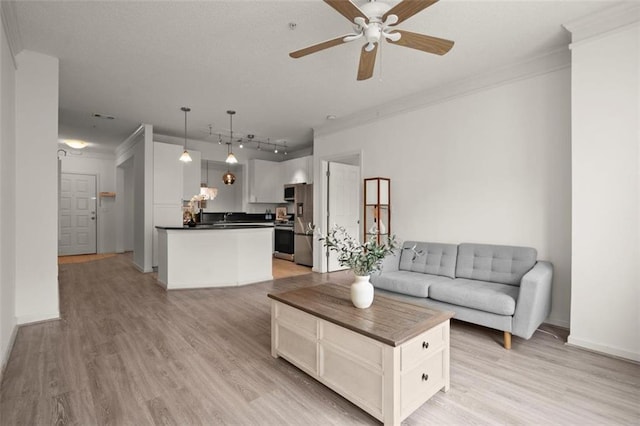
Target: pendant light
(231,159)
(228,178)
(185,157)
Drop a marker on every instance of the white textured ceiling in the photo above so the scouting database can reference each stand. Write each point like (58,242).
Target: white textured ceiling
(142,61)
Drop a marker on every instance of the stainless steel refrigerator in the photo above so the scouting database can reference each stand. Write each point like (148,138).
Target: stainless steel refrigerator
(303,226)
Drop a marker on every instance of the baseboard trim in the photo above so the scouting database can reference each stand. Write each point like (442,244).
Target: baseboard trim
(603,349)
(36,318)
(558,322)
(7,352)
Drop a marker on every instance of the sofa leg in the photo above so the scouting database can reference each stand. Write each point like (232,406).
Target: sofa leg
(507,340)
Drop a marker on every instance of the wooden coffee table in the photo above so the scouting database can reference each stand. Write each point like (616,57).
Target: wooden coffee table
(388,359)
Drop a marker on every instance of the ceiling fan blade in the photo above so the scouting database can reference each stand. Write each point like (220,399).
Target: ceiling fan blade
(367,61)
(318,47)
(435,45)
(346,9)
(407,8)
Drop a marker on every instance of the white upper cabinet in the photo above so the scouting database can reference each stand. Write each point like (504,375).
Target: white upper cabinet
(267,178)
(298,170)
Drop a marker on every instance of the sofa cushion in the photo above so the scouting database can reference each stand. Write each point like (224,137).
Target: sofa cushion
(500,264)
(482,295)
(429,258)
(406,282)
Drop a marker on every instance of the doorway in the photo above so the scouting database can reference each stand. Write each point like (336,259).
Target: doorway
(77,214)
(341,199)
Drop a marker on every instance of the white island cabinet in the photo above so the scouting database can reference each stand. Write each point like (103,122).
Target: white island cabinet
(214,256)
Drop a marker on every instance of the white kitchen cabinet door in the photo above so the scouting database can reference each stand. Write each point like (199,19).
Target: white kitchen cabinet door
(298,170)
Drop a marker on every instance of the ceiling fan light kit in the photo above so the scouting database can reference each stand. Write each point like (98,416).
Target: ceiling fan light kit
(373,22)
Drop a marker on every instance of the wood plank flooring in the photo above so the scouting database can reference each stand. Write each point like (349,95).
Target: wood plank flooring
(285,268)
(128,352)
(82,258)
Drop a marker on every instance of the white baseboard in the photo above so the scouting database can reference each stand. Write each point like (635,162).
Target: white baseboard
(34,318)
(603,349)
(7,352)
(558,322)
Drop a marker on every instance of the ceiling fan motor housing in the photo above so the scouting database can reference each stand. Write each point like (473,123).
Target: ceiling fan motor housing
(375,10)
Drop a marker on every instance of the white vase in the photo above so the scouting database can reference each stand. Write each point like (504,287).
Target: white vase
(362,292)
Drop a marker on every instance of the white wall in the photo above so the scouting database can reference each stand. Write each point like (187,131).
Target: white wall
(129,212)
(229,198)
(491,166)
(136,154)
(605,302)
(103,167)
(36,187)
(8,197)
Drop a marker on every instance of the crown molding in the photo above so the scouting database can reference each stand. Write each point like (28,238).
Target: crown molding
(11,30)
(610,19)
(553,61)
(122,150)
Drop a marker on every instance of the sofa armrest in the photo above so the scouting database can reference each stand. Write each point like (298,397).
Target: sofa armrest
(534,300)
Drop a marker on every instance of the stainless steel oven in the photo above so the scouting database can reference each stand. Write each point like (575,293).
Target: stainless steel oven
(284,247)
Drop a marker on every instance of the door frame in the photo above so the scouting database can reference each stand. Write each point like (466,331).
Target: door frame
(97,205)
(355,158)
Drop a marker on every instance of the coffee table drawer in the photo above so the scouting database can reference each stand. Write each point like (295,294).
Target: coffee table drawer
(422,347)
(422,381)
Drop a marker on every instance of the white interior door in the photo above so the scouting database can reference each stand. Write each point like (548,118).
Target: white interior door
(343,203)
(77,214)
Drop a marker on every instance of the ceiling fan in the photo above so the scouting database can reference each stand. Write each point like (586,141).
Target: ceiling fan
(375,21)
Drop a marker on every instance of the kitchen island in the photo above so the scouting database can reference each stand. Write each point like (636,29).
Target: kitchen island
(219,255)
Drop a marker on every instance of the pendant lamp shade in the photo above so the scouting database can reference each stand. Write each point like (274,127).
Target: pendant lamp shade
(185,157)
(228,178)
(231,159)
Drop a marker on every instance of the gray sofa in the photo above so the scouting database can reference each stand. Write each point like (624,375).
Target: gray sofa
(501,287)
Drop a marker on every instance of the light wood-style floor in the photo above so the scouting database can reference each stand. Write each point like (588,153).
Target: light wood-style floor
(128,352)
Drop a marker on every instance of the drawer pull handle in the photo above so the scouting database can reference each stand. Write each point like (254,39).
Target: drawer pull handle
(425,377)
(425,345)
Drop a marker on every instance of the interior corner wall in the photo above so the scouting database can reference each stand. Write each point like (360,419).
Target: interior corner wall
(139,206)
(8,197)
(103,168)
(605,299)
(491,166)
(36,187)
(134,210)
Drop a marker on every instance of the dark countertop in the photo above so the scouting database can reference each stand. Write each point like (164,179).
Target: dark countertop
(219,226)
